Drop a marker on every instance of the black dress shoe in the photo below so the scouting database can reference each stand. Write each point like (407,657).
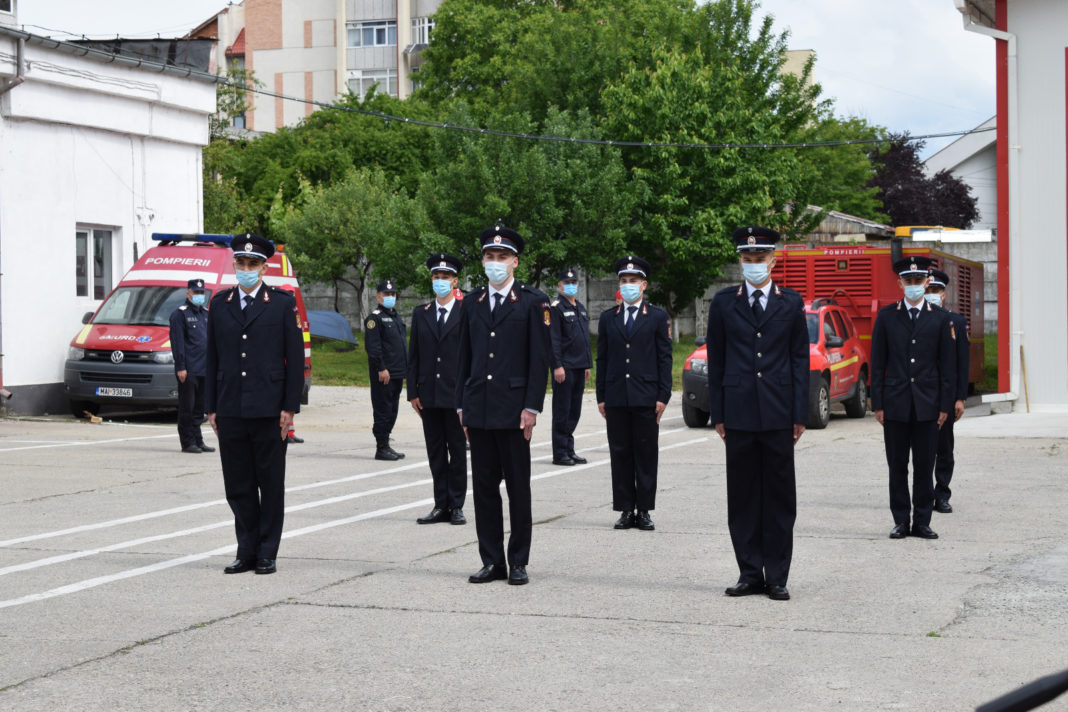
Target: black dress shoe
(745,588)
(643,521)
(192,449)
(205,448)
(400,455)
(437,514)
(625,521)
(943,506)
(923,531)
(566,461)
(240,566)
(493,572)
(294,439)
(778,593)
(384,453)
(457,517)
(518,576)
(900,531)
(578,460)
(265,566)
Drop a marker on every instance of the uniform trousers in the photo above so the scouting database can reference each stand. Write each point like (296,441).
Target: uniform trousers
(944,460)
(761,503)
(253,458)
(633,436)
(921,438)
(567,407)
(496,455)
(385,402)
(446,448)
(190,410)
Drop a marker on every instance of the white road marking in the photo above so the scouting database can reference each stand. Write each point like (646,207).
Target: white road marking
(88,442)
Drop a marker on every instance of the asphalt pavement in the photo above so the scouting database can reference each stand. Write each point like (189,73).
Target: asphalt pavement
(112,596)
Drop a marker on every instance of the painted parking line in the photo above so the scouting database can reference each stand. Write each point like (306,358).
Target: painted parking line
(170,563)
(75,443)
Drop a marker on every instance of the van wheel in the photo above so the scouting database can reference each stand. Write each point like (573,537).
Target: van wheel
(694,417)
(78,408)
(857,406)
(819,406)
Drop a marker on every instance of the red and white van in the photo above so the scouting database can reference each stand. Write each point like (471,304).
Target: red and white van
(122,356)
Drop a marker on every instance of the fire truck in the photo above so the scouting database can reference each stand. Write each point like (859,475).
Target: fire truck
(861,279)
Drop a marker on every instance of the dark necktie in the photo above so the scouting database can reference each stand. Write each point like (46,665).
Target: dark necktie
(914,312)
(758,310)
(248,301)
(441,319)
(630,320)
(497,300)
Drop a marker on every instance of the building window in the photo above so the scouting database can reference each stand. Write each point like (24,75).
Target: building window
(93,262)
(373,34)
(7,6)
(421,29)
(361,81)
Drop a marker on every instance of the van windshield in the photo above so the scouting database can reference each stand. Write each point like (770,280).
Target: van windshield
(141,306)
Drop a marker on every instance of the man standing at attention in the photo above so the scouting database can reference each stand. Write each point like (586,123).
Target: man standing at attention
(633,389)
(571,362)
(432,390)
(385,340)
(504,354)
(189,338)
(758,399)
(913,361)
(253,382)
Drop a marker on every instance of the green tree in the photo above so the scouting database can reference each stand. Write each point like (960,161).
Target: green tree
(231,99)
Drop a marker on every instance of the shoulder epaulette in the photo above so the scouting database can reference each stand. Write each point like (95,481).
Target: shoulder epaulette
(556,302)
(377,311)
(182,308)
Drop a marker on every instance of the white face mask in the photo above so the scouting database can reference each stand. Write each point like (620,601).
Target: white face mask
(755,273)
(935,299)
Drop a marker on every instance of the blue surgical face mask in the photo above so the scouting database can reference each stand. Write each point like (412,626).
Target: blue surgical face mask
(935,299)
(442,287)
(755,273)
(630,292)
(389,302)
(199,299)
(497,272)
(914,292)
(247,278)
(570,290)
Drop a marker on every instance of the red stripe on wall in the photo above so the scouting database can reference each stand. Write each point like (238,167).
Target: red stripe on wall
(1001,50)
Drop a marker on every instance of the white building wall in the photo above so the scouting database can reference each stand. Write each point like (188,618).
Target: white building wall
(1039,256)
(108,147)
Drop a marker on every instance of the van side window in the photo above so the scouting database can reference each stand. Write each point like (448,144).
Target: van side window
(841,326)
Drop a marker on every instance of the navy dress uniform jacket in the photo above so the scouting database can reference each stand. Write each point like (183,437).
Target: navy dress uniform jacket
(385,340)
(189,338)
(913,368)
(570,335)
(432,359)
(503,357)
(633,377)
(255,361)
(757,371)
(964,356)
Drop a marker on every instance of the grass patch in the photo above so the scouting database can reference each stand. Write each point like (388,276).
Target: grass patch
(989,384)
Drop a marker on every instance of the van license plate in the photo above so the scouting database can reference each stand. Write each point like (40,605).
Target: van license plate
(115,392)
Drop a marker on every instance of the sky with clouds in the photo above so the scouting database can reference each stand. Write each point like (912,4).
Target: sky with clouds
(906,65)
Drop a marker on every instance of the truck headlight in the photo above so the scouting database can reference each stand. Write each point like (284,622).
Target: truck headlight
(163,356)
(75,354)
(699,366)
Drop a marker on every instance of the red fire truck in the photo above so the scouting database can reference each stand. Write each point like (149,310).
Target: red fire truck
(860,278)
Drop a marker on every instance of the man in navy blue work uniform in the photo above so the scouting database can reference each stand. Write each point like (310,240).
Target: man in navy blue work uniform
(758,399)
(385,340)
(944,462)
(189,338)
(254,378)
(633,388)
(913,367)
(500,389)
(571,362)
(432,366)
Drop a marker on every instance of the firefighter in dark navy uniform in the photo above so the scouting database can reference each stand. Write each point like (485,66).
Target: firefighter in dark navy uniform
(758,399)
(944,461)
(253,383)
(504,355)
(432,366)
(385,340)
(913,366)
(571,362)
(189,339)
(633,389)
